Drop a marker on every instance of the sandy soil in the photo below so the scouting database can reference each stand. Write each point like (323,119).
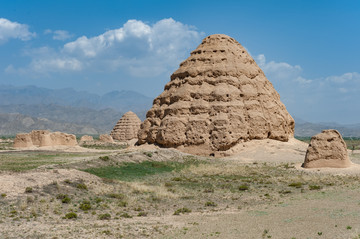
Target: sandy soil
(319,214)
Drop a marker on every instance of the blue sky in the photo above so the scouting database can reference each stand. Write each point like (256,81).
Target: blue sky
(309,50)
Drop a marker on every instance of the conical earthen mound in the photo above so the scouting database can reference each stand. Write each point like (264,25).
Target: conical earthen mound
(327,150)
(127,127)
(217,98)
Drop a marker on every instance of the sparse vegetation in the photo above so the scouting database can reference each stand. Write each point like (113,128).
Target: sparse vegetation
(104,158)
(210,204)
(182,210)
(71,215)
(169,187)
(107,146)
(314,187)
(17,161)
(134,171)
(85,205)
(243,187)
(81,186)
(105,216)
(296,185)
(125,215)
(64,198)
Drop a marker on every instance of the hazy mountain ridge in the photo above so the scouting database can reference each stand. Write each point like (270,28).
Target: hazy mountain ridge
(31,95)
(80,111)
(13,123)
(307,129)
(103,119)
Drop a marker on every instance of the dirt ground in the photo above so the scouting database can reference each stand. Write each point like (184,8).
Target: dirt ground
(259,192)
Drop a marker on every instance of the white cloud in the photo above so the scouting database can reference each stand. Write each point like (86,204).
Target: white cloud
(278,70)
(56,65)
(137,48)
(347,77)
(9,30)
(60,35)
(302,80)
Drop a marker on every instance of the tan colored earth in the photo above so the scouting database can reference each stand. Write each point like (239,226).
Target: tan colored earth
(106,138)
(86,138)
(330,211)
(127,127)
(44,138)
(327,149)
(217,98)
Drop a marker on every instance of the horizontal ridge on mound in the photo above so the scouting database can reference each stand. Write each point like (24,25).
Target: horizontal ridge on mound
(127,127)
(218,97)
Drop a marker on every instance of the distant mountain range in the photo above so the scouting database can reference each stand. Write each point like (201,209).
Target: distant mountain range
(121,101)
(25,108)
(307,129)
(11,124)
(81,112)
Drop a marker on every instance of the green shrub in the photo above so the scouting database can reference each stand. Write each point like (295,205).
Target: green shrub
(149,154)
(85,205)
(28,190)
(296,185)
(122,204)
(176,179)
(243,187)
(98,200)
(71,215)
(105,216)
(64,198)
(142,214)
(210,204)
(104,158)
(125,215)
(182,210)
(67,181)
(3,195)
(138,209)
(106,232)
(81,186)
(314,187)
(116,195)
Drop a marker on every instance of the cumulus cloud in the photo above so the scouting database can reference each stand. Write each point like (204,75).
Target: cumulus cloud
(14,30)
(60,35)
(347,77)
(137,48)
(279,70)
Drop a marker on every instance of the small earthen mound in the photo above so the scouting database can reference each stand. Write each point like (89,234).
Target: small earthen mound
(327,149)
(23,141)
(41,138)
(106,138)
(86,138)
(217,98)
(127,127)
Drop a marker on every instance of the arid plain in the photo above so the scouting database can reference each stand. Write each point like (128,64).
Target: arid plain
(146,191)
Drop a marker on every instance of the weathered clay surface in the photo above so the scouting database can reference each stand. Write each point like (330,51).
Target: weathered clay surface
(23,141)
(327,149)
(86,138)
(127,127)
(217,98)
(42,138)
(106,138)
